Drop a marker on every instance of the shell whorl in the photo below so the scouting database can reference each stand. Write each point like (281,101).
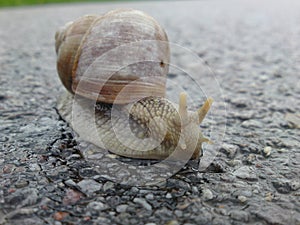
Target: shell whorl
(122,57)
(100,55)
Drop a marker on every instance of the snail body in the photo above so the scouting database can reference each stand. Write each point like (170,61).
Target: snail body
(147,125)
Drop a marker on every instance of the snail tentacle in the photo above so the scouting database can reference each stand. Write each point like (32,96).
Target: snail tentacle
(90,52)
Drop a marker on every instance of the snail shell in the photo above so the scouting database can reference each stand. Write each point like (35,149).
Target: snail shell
(81,47)
(88,64)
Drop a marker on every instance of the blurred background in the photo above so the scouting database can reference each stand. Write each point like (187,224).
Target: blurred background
(9,3)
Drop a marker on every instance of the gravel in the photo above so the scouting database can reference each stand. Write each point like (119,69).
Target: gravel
(250,175)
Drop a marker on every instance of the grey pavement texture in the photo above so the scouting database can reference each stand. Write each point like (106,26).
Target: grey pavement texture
(254,51)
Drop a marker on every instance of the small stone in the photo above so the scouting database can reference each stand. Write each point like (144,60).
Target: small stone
(89,186)
(246,193)
(263,77)
(143,203)
(60,215)
(112,156)
(71,197)
(293,120)
(134,190)
(251,124)
(178,213)
(269,197)
(204,217)
(229,149)
(108,185)
(8,168)
(149,196)
(239,102)
(239,215)
(113,201)
(34,167)
(172,222)
(251,158)
(102,220)
(245,172)
(282,150)
(207,194)
(22,197)
(150,224)
(112,213)
(242,198)
(121,208)
(275,214)
(97,206)
(195,190)
(221,211)
(22,183)
(285,186)
(70,183)
(73,157)
(20,212)
(168,195)
(234,162)
(267,151)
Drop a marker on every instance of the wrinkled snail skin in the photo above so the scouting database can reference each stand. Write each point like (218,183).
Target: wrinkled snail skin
(144,127)
(141,116)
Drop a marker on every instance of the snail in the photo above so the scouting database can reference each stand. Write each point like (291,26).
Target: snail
(119,61)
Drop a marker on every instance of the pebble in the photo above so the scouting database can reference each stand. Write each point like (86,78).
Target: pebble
(70,183)
(269,196)
(8,168)
(239,215)
(134,190)
(239,102)
(245,172)
(220,221)
(178,213)
(285,186)
(143,203)
(89,186)
(207,194)
(34,167)
(242,198)
(275,214)
(282,150)
(267,151)
(23,197)
(102,220)
(121,208)
(234,162)
(113,200)
(71,197)
(168,195)
(172,222)
(22,183)
(97,206)
(251,124)
(149,196)
(195,190)
(229,149)
(293,120)
(108,186)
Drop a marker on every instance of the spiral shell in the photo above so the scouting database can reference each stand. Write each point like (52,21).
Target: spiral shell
(97,56)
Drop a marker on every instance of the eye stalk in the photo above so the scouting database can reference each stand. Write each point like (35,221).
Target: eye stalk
(137,88)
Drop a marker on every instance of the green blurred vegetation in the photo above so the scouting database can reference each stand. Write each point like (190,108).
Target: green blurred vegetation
(4,3)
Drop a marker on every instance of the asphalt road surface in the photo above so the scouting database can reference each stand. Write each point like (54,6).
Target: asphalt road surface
(250,65)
